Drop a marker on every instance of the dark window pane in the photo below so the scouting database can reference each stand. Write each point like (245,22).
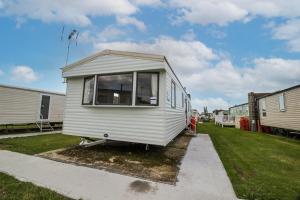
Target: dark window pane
(88,90)
(147,89)
(114,89)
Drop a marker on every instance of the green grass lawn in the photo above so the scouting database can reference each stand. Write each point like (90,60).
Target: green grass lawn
(260,166)
(38,144)
(11,188)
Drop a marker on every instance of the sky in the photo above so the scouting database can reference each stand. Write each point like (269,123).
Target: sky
(221,50)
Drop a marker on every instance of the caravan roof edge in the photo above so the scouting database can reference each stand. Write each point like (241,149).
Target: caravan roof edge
(31,89)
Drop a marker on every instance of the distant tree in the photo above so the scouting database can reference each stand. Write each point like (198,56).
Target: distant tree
(205,111)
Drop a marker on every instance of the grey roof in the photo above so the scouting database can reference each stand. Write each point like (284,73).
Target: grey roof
(30,89)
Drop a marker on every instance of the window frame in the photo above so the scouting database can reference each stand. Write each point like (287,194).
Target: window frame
(283,99)
(264,110)
(84,80)
(96,93)
(182,99)
(136,87)
(173,106)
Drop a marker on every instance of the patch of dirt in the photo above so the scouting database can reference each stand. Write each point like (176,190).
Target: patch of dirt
(140,186)
(157,164)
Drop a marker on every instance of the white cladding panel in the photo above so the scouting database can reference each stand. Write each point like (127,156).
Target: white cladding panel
(18,106)
(57,103)
(134,124)
(175,117)
(113,64)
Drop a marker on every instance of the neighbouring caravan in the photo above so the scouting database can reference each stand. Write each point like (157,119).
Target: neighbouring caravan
(223,118)
(281,109)
(238,111)
(125,96)
(29,106)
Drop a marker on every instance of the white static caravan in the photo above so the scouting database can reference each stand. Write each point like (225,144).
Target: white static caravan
(125,96)
(29,106)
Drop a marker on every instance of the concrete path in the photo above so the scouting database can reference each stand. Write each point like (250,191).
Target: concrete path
(202,176)
(15,135)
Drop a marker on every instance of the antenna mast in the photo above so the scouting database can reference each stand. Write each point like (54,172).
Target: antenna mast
(73,36)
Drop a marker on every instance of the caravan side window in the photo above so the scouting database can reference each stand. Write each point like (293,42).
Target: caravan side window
(173,94)
(88,90)
(182,100)
(147,88)
(281,100)
(263,108)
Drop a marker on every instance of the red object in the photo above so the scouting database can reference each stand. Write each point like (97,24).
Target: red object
(244,123)
(193,123)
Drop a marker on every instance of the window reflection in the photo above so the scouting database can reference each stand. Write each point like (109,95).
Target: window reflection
(114,89)
(88,90)
(147,89)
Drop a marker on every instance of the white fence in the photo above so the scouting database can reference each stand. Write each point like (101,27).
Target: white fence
(224,120)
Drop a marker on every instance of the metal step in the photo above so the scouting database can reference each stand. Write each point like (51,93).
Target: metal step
(44,126)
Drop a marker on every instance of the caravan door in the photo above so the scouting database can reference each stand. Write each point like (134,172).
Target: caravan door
(45,105)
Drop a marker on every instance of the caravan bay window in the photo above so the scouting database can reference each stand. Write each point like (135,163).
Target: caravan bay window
(115,89)
(147,89)
(88,90)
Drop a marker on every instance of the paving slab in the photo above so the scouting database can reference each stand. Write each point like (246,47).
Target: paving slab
(15,135)
(202,176)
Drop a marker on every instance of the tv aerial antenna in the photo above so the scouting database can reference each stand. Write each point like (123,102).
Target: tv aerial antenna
(72,36)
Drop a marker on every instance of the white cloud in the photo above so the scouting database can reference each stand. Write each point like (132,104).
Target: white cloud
(1,72)
(185,56)
(24,73)
(211,103)
(222,78)
(266,75)
(108,33)
(223,12)
(126,20)
(208,11)
(290,32)
(189,35)
(273,73)
(215,33)
(147,2)
(76,12)
(86,37)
